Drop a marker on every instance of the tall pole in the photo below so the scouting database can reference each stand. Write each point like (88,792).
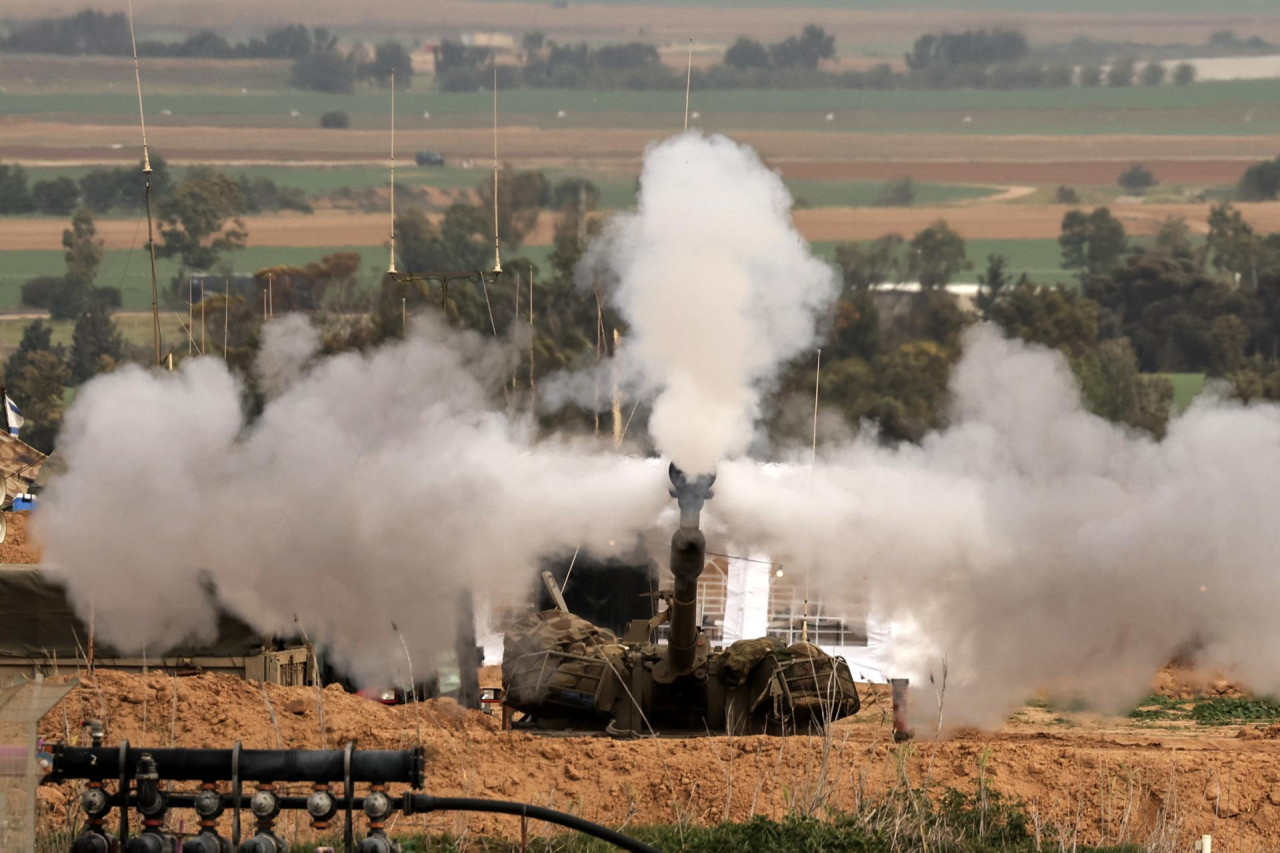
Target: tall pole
(226,316)
(497,254)
(191,313)
(688,84)
(391,265)
(146,177)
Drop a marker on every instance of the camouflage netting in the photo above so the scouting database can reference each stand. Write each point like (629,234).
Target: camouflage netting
(556,657)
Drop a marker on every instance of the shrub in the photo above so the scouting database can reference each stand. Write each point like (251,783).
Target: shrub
(335,120)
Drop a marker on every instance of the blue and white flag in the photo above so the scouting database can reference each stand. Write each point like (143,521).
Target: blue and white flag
(15,415)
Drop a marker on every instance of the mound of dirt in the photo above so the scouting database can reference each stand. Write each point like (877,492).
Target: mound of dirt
(1093,778)
(19,546)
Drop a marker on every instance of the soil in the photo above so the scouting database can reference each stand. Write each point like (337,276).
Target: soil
(1092,776)
(18,545)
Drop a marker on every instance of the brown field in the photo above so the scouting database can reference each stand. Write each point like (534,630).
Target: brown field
(1093,778)
(1074,173)
(661,24)
(973,221)
(43,142)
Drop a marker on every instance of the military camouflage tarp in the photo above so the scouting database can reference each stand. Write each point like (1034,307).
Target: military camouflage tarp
(553,657)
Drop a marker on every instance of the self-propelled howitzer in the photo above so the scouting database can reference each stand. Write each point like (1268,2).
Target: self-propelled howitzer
(563,672)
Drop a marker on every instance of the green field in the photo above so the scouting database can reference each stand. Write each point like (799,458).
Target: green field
(129,270)
(1243,108)
(1039,259)
(1185,387)
(616,190)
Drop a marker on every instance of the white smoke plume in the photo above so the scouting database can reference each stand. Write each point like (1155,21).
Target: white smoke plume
(718,291)
(288,344)
(1039,546)
(368,492)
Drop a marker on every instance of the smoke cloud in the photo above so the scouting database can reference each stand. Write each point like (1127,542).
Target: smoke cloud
(1036,545)
(368,492)
(718,291)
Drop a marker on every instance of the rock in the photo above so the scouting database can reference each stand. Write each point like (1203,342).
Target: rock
(571,773)
(1274,796)
(297,705)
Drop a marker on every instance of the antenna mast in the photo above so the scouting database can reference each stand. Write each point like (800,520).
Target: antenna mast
(391,267)
(688,84)
(497,254)
(146,177)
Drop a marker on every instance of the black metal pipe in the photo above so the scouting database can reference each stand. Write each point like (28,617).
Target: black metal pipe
(259,765)
(428,803)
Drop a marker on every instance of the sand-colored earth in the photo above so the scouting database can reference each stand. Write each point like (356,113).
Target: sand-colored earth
(973,221)
(1091,777)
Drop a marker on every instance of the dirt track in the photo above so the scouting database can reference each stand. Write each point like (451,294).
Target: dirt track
(971,221)
(1100,777)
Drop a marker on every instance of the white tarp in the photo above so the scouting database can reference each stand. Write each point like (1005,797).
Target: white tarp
(746,598)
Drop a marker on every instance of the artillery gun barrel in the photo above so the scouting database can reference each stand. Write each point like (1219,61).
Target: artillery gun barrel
(688,555)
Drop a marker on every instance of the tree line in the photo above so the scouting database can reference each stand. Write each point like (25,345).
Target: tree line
(120,190)
(978,58)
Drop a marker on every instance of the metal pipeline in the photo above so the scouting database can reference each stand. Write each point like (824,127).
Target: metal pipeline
(259,765)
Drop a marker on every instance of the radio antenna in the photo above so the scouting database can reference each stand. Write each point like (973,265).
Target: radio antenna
(146,177)
(688,84)
(497,254)
(391,266)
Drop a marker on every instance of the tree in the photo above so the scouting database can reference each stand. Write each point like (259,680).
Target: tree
(389,58)
(15,196)
(521,198)
(68,295)
(335,120)
(900,192)
(96,344)
(1051,316)
(813,45)
(936,254)
(1090,76)
(83,249)
(1114,388)
(1153,74)
(1184,73)
(201,220)
(36,377)
(461,242)
(1233,245)
(1136,180)
(532,41)
(323,71)
(746,53)
(1092,243)
(991,285)
(1260,182)
(56,197)
(1121,72)
(1066,195)
(873,265)
(1173,238)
